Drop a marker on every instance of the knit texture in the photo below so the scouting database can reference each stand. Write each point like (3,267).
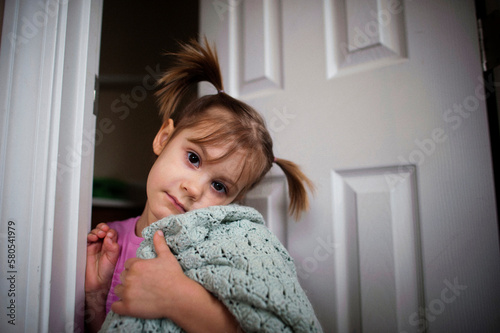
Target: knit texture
(230,252)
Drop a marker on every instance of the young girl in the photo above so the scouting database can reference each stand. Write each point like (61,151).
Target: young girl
(210,153)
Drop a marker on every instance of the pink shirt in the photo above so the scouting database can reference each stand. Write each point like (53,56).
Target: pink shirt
(129,243)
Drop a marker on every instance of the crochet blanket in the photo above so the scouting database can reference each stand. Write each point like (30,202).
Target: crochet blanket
(229,251)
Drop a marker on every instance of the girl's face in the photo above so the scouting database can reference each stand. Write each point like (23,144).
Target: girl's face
(181,179)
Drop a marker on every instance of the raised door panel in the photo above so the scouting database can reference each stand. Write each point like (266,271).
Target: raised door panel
(260,37)
(378,258)
(363,34)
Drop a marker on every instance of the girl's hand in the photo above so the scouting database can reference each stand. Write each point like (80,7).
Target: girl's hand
(158,288)
(150,287)
(102,255)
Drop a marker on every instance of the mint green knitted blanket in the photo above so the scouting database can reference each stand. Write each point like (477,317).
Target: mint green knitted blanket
(230,251)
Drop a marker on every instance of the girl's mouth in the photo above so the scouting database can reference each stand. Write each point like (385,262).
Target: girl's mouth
(176,203)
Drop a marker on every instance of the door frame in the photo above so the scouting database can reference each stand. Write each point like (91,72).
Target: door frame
(49,58)
(485,13)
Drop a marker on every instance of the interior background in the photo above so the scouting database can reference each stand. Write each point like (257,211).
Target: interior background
(135,37)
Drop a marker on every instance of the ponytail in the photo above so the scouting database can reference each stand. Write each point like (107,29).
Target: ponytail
(297,183)
(193,64)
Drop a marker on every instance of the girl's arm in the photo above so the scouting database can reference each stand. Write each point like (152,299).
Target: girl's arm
(95,311)
(158,288)
(102,255)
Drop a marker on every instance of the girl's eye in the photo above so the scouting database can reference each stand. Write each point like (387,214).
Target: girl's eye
(194,159)
(219,187)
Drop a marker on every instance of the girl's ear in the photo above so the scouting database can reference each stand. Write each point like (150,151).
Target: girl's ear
(161,139)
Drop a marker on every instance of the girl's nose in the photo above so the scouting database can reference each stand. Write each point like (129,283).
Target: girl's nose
(193,187)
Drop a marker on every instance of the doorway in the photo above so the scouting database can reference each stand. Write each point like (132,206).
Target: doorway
(488,18)
(135,36)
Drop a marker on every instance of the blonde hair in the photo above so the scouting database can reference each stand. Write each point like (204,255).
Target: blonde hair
(241,127)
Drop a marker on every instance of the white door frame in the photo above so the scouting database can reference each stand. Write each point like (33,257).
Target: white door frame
(48,61)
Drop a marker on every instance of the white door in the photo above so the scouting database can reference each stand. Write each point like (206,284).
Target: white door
(382,104)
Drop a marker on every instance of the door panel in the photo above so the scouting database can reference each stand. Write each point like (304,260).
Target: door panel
(382,104)
(378,267)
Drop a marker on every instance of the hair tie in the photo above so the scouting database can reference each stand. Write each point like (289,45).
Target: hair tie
(275,159)
(220,91)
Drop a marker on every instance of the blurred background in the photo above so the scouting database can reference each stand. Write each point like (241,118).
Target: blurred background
(135,37)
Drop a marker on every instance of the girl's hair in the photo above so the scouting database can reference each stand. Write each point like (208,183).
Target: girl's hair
(231,123)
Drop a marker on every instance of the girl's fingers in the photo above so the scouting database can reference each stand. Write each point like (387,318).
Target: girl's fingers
(98,233)
(130,262)
(160,244)
(112,235)
(118,290)
(102,226)
(102,230)
(92,238)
